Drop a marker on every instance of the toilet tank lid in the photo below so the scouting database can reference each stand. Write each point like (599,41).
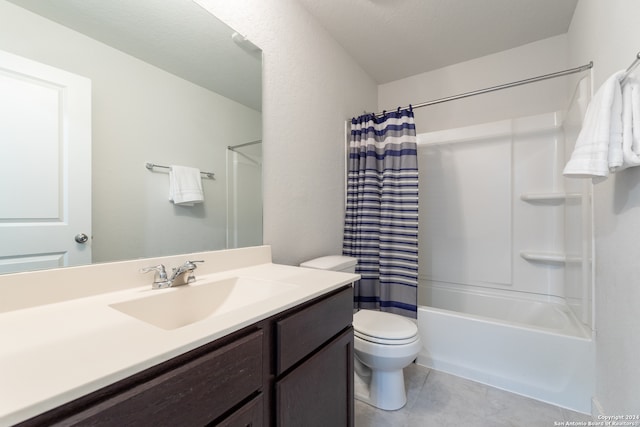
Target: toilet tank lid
(331,262)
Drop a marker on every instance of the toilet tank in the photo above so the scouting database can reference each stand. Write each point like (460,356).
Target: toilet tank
(342,263)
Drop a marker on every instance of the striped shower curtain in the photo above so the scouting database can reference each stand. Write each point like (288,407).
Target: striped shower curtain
(381,221)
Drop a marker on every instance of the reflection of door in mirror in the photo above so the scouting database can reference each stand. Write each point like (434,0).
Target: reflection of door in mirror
(45,166)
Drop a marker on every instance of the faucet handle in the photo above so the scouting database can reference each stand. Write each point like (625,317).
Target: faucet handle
(192,264)
(160,279)
(159,269)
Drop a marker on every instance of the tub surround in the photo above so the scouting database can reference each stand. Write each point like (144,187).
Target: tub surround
(534,348)
(512,282)
(62,340)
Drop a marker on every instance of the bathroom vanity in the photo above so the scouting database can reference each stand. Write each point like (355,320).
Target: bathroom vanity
(283,359)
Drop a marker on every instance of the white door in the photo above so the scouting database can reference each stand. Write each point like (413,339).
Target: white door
(45,166)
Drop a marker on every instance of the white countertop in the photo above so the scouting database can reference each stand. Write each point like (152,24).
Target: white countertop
(54,353)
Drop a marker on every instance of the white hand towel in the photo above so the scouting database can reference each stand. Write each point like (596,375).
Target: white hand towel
(185,186)
(631,122)
(598,149)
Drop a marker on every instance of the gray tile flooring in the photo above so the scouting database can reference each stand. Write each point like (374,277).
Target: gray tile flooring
(438,399)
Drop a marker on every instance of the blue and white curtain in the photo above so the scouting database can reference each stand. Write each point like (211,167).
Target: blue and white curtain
(381,222)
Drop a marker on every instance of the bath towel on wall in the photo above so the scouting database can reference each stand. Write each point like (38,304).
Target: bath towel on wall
(381,220)
(185,186)
(598,149)
(631,122)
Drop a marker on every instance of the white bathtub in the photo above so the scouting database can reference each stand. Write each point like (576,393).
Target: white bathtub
(536,348)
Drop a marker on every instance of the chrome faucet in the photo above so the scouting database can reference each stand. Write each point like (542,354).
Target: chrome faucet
(180,276)
(184,274)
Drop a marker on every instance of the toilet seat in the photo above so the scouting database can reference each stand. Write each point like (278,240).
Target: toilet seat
(384,328)
(383,341)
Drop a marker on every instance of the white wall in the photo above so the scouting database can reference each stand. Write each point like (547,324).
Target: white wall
(310,87)
(608,34)
(141,114)
(534,59)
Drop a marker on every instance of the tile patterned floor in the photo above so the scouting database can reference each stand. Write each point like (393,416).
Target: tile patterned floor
(438,399)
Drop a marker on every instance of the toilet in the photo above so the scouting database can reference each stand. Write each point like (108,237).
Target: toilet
(384,344)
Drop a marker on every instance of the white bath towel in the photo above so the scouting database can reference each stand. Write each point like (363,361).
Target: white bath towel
(185,186)
(598,149)
(631,122)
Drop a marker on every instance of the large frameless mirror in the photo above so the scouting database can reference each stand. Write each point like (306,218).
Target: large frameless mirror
(93,91)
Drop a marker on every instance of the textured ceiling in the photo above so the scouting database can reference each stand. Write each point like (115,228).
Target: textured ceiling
(178,36)
(394,39)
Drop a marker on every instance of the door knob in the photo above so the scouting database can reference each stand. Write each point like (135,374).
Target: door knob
(81,238)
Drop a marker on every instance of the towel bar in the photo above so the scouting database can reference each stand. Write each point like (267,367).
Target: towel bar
(629,70)
(150,166)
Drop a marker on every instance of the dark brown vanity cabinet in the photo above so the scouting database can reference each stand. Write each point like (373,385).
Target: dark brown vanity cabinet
(314,364)
(293,369)
(320,391)
(208,384)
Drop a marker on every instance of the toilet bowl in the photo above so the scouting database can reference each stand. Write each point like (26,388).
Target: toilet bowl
(384,344)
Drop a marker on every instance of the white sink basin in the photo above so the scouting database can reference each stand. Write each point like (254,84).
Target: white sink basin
(183,305)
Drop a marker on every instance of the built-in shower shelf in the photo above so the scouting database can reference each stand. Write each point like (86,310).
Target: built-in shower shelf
(549,257)
(549,197)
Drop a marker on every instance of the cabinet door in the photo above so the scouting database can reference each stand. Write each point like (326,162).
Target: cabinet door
(319,392)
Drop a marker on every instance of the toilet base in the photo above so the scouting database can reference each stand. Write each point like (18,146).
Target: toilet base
(382,389)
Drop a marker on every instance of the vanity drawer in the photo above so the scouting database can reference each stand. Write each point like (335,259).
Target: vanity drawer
(302,332)
(249,415)
(194,393)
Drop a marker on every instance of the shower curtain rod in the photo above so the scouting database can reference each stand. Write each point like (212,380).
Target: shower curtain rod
(233,147)
(504,86)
